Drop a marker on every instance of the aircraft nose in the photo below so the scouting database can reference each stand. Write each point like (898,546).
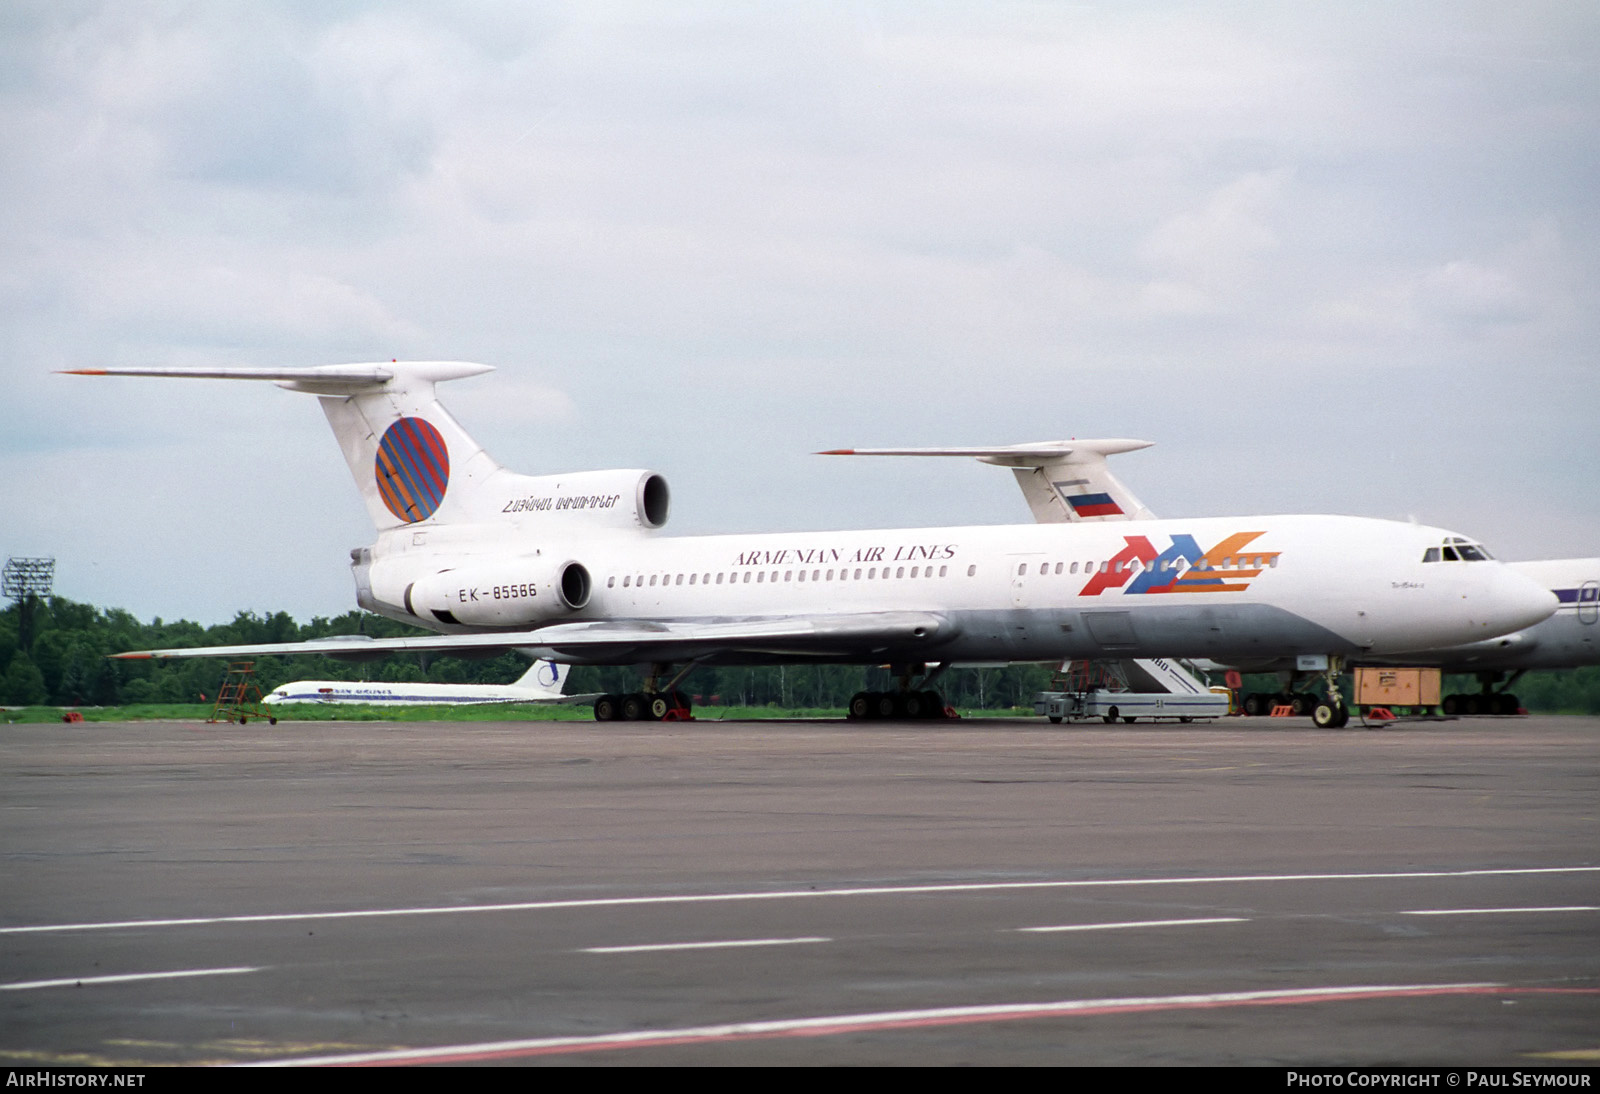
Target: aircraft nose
(1519,601)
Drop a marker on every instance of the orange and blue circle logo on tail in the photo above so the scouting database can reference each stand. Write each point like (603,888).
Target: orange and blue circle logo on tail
(412,469)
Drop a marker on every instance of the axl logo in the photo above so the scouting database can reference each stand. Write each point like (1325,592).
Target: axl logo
(1229,567)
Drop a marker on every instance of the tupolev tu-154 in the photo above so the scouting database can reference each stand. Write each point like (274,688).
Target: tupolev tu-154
(575,568)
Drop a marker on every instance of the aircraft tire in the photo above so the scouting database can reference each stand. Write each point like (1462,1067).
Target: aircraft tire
(635,707)
(1255,705)
(1451,705)
(1326,715)
(884,704)
(1509,704)
(911,704)
(607,708)
(659,705)
(862,706)
(1300,704)
(932,704)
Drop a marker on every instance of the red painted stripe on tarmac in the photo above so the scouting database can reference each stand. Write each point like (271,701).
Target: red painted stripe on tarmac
(901,1020)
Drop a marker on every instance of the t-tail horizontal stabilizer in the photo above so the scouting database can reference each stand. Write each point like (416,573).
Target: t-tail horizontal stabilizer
(403,448)
(1063,481)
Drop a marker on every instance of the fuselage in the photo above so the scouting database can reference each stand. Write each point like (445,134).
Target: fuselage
(1222,588)
(542,683)
(401,694)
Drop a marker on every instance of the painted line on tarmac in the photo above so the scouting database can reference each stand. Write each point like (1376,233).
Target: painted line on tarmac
(731,944)
(883,1021)
(85,981)
(1135,923)
(1503,911)
(782,894)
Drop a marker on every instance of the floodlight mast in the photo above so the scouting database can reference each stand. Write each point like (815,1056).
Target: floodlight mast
(25,577)
(27,581)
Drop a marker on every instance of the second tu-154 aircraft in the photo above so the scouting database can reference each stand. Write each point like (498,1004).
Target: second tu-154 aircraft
(574,568)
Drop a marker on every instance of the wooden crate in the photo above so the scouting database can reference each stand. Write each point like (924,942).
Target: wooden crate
(1377,687)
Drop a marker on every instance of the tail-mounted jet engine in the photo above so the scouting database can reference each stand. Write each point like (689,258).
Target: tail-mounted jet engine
(508,593)
(619,499)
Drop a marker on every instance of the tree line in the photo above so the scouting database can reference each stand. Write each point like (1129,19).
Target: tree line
(54,653)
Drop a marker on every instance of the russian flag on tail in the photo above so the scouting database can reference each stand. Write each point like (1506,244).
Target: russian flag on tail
(1094,505)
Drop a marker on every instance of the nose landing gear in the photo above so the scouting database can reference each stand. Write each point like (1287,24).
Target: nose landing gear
(1331,712)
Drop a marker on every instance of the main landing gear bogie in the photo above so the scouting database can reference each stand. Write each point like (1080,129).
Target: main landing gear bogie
(905,702)
(875,705)
(1493,702)
(1258,704)
(639,706)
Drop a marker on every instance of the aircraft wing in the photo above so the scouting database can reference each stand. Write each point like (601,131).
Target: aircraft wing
(624,640)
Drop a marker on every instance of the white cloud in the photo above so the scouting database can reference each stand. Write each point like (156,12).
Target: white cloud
(1257,235)
(1469,293)
(1221,243)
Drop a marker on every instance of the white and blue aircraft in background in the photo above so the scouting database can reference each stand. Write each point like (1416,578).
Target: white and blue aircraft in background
(544,682)
(575,568)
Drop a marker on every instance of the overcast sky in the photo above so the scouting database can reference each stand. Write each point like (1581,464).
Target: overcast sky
(1331,257)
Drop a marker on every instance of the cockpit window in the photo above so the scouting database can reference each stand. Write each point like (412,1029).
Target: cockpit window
(1456,549)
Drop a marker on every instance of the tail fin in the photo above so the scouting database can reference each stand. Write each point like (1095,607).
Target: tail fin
(410,459)
(1063,481)
(545,679)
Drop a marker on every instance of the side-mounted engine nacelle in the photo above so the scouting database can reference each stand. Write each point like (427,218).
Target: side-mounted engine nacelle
(505,593)
(617,499)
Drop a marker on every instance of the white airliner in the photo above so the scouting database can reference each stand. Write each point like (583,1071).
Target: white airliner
(1063,484)
(573,568)
(542,683)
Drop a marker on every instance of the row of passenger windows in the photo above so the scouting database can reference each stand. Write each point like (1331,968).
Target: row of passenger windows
(763,577)
(1242,562)
(872,573)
